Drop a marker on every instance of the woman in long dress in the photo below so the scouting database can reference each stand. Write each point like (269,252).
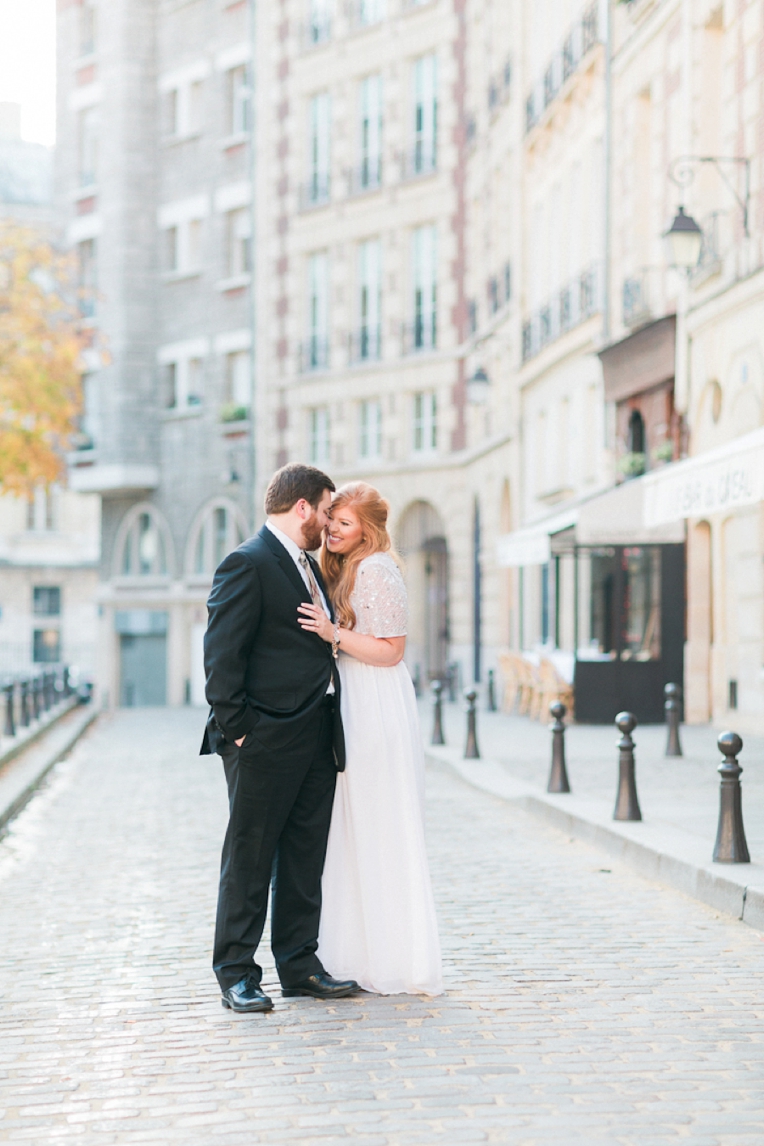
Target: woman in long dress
(378,920)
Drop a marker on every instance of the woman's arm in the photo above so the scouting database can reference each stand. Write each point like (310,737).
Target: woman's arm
(381,651)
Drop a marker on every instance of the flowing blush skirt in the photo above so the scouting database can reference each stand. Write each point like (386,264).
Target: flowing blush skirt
(378,922)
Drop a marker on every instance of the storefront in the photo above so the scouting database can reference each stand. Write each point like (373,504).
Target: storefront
(611,602)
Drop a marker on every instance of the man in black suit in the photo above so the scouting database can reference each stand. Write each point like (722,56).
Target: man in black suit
(275,720)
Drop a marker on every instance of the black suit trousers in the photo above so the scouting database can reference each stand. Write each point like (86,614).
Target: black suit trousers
(280,806)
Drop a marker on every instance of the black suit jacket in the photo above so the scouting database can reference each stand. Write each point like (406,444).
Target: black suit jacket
(265,675)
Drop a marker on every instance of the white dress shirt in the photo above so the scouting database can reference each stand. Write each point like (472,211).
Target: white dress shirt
(294,552)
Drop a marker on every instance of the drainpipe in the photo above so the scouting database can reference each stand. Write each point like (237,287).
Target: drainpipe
(607,158)
(253,264)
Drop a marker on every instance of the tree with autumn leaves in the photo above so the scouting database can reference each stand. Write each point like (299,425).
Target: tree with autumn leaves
(41,344)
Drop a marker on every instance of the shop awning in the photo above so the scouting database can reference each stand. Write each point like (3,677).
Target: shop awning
(617,517)
(729,477)
(532,545)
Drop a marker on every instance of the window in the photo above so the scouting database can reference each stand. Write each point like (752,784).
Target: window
(425,288)
(184,383)
(425,422)
(195,107)
(425,115)
(369,295)
(239,242)
(87,27)
(143,551)
(88,421)
(182,224)
(319,446)
(320,21)
(46,600)
(182,94)
(87,276)
(318,311)
(370,170)
(318,148)
(219,533)
(41,509)
(370,430)
(239,100)
(237,379)
(371,11)
(46,648)
(87,146)
(171,247)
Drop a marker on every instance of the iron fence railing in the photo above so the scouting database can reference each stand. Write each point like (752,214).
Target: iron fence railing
(577,301)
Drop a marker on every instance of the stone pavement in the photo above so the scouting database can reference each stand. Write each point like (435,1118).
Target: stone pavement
(584,1004)
(679,797)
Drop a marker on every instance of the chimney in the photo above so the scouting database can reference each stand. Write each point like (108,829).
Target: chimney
(10,120)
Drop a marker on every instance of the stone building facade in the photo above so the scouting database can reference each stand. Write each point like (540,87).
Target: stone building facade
(154,182)
(460,292)
(49,545)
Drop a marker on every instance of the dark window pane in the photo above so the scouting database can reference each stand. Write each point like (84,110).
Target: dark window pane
(47,646)
(47,601)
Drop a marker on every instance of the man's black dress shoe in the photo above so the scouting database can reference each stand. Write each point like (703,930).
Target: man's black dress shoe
(322,986)
(246,995)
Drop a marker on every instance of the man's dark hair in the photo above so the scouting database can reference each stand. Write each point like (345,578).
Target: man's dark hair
(293,482)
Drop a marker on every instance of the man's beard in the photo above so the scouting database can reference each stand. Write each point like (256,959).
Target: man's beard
(312,534)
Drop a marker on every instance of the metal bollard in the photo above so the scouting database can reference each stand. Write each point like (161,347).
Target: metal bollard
(673,708)
(436,688)
(471,750)
(37,697)
(10,723)
(66,683)
(491,691)
(452,675)
(26,715)
(626,804)
(47,691)
(558,777)
(730,846)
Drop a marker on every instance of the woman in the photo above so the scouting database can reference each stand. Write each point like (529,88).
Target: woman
(378,917)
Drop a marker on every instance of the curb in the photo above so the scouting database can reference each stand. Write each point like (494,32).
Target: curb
(34,736)
(682,863)
(59,750)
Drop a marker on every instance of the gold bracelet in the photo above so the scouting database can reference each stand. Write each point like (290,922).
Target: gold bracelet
(336,642)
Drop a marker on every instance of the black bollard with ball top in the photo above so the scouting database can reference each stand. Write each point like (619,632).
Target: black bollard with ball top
(471,750)
(731,845)
(673,709)
(558,777)
(436,688)
(626,804)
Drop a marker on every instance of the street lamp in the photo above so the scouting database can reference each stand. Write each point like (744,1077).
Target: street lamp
(478,387)
(685,239)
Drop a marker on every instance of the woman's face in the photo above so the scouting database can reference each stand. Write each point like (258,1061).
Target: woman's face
(344,530)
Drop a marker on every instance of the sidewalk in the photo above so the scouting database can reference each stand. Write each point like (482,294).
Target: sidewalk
(679,797)
(26,764)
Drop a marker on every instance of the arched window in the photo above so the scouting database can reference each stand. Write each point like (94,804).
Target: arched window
(636,433)
(144,549)
(220,531)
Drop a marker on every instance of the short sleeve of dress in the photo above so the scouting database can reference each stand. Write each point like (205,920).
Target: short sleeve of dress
(379,598)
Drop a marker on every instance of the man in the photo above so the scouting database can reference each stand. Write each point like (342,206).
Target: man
(275,720)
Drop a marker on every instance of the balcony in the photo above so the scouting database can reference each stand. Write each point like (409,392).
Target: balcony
(365,345)
(316,192)
(578,301)
(564,63)
(314,354)
(421,160)
(366,177)
(419,336)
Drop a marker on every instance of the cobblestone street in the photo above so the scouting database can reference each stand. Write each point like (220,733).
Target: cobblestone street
(583,1003)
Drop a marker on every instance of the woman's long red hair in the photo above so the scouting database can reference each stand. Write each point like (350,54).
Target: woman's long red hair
(340,569)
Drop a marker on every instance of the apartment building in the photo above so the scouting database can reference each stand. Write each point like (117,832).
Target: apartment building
(49,544)
(154,185)
(364,316)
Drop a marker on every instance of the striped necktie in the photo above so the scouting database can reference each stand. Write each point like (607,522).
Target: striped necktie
(315,594)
